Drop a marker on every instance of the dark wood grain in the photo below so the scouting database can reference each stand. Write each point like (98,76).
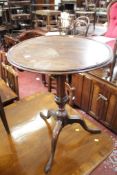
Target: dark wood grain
(28,148)
(59,54)
(6,93)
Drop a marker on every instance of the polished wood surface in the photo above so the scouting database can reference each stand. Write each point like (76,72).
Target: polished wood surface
(10,76)
(97,97)
(27,149)
(6,93)
(59,54)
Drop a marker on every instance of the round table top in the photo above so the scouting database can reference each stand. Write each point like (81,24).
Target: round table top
(59,54)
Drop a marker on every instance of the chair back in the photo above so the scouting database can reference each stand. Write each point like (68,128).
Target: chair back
(9,41)
(30,34)
(112,20)
(3,56)
(10,76)
(81,25)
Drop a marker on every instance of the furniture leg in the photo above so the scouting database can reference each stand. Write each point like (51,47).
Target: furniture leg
(58,127)
(4,121)
(43,76)
(62,117)
(50,113)
(77,119)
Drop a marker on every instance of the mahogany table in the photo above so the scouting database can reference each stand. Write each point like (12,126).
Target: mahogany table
(60,55)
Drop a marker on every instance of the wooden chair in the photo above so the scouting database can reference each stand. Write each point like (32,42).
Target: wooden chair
(81,26)
(11,40)
(30,34)
(10,76)
(3,57)
(9,90)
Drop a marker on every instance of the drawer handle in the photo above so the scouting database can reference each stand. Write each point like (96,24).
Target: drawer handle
(102,97)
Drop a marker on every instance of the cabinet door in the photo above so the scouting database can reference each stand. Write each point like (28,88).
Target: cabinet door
(114,120)
(86,90)
(82,84)
(110,117)
(77,83)
(96,99)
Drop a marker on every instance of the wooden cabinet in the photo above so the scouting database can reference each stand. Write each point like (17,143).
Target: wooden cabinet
(77,82)
(97,97)
(110,116)
(86,90)
(82,86)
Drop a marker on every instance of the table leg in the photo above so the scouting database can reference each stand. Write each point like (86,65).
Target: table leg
(62,117)
(48,22)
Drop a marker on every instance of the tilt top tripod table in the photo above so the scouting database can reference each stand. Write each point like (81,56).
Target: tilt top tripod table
(60,56)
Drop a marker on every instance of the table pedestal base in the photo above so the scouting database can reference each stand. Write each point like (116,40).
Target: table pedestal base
(62,117)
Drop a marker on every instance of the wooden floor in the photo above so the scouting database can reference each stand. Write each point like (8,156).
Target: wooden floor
(27,150)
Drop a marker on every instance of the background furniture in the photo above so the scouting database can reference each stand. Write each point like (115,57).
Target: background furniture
(101,11)
(90,14)
(81,26)
(110,35)
(14,38)
(20,13)
(97,97)
(48,14)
